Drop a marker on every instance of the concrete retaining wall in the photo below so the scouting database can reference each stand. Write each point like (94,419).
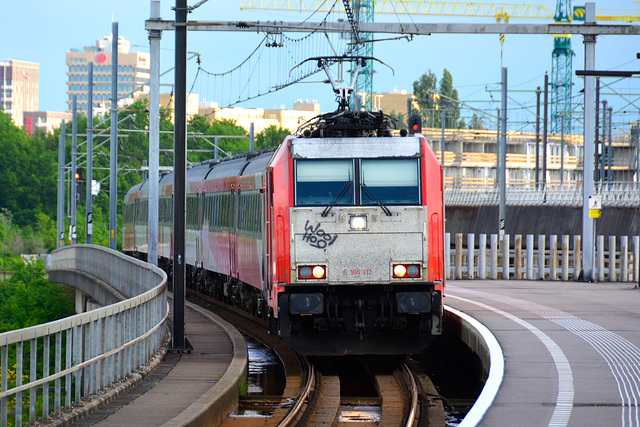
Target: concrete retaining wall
(468,334)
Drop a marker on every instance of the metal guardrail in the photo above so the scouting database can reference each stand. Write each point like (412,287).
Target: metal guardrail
(90,351)
(617,194)
(539,257)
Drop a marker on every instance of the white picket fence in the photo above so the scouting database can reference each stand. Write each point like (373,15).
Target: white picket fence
(521,259)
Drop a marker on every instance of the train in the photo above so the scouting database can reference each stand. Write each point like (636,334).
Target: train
(335,237)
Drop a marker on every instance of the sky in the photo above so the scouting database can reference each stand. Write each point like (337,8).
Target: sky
(43,31)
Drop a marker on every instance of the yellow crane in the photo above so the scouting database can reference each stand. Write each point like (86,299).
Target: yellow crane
(502,12)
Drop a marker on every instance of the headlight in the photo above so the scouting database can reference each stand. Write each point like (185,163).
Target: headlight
(358,222)
(312,272)
(311,303)
(414,302)
(318,272)
(399,271)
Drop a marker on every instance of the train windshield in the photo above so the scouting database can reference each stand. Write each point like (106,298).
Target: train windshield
(324,182)
(389,181)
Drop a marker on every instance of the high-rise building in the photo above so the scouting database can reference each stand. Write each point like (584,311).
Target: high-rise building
(133,74)
(18,88)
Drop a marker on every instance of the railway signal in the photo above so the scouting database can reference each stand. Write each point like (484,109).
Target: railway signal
(415,124)
(78,177)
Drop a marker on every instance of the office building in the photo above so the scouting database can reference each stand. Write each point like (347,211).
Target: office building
(133,74)
(18,88)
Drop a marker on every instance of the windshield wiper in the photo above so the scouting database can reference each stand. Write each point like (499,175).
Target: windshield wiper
(366,190)
(326,210)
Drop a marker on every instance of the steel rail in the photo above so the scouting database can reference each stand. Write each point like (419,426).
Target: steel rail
(411,419)
(303,397)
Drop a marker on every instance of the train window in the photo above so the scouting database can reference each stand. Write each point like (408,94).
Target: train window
(389,181)
(128,214)
(224,219)
(324,182)
(142,211)
(217,216)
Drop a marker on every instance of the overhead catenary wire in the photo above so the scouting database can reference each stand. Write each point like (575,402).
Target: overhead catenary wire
(247,81)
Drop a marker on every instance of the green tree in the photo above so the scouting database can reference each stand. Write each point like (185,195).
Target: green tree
(29,299)
(11,243)
(449,100)
(28,173)
(424,90)
(476,122)
(271,137)
(433,97)
(223,127)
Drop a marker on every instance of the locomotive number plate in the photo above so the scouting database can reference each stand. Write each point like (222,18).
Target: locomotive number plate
(357,272)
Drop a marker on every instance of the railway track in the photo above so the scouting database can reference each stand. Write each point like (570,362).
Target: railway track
(336,391)
(389,394)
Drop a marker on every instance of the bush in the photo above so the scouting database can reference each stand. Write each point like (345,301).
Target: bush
(27,298)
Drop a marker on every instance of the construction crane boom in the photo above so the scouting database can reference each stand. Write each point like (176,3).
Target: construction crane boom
(415,7)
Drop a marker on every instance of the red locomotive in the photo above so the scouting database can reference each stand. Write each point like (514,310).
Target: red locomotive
(336,237)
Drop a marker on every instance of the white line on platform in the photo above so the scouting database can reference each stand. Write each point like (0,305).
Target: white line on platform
(564,400)
(622,356)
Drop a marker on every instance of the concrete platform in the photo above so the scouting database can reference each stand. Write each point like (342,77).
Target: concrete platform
(571,350)
(187,389)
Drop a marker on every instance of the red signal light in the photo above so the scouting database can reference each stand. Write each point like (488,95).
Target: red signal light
(415,124)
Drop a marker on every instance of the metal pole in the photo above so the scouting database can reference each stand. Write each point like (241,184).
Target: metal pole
(215,156)
(538,92)
(444,114)
(180,166)
(252,143)
(598,145)
(498,173)
(545,129)
(74,157)
(113,163)
(587,173)
(61,172)
(610,153)
(562,151)
(603,143)
(154,134)
(637,141)
(503,153)
(89,175)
